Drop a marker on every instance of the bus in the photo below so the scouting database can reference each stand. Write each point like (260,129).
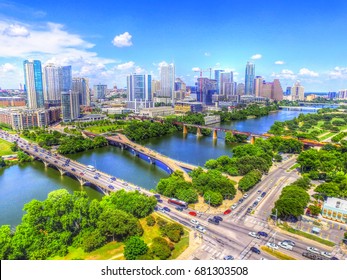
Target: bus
(178,202)
(91,168)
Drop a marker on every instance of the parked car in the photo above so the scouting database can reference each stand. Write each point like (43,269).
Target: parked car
(262,233)
(218,218)
(194,222)
(245,195)
(313,250)
(213,221)
(229,257)
(254,234)
(272,245)
(226,212)
(234,206)
(255,250)
(285,245)
(192,213)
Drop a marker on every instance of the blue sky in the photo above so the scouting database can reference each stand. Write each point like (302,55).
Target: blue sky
(106,40)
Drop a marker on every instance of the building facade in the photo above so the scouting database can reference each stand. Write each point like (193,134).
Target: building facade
(297,92)
(33,83)
(167,80)
(100,91)
(249,78)
(11,101)
(226,84)
(70,106)
(81,85)
(335,209)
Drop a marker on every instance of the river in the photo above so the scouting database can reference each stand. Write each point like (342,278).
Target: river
(20,184)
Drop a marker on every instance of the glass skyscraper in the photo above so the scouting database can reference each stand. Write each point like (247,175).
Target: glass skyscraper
(249,78)
(139,87)
(33,83)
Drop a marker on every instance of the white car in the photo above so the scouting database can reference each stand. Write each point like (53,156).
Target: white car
(313,250)
(200,228)
(194,222)
(272,246)
(326,254)
(234,206)
(259,198)
(254,234)
(245,195)
(285,245)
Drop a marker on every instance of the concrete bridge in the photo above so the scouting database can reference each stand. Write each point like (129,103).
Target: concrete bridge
(151,156)
(104,182)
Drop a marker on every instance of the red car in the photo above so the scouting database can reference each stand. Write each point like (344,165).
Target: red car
(192,213)
(81,174)
(226,212)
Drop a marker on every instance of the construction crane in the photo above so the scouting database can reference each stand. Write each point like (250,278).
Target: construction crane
(200,86)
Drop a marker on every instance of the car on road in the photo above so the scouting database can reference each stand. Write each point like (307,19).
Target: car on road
(200,228)
(255,203)
(113,178)
(312,256)
(96,177)
(125,184)
(313,250)
(159,208)
(234,206)
(226,212)
(334,258)
(73,169)
(254,234)
(240,200)
(259,191)
(157,196)
(194,222)
(292,243)
(229,257)
(81,174)
(262,233)
(111,187)
(245,195)
(249,210)
(255,250)
(285,245)
(272,245)
(263,194)
(192,213)
(167,209)
(259,198)
(326,254)
(55,161)
(213,221)
(179,208)
(46,156)
(218,218)
(160,200)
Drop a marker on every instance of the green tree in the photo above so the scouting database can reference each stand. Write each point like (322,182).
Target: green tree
(213,198)
(160,248)
(2,162)
(150,221)
(134,247)
(314,210)
(5,241)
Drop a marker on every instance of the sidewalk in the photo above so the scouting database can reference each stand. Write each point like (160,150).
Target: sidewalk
(194,244)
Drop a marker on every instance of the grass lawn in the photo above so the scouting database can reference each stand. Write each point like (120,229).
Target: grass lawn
(308,235)
(296,165)
(5,148)
(102,129)
(326,136)
(276,254)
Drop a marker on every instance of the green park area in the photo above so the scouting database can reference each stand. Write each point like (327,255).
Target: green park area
(5,148)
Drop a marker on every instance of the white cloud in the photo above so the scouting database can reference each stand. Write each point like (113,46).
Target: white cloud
(279,62)
(338,73)
(122,40)
(285,74)
(256,56)
(7,67)
(207,54)
(195,69)
(125,66)
(16,30)
(307,73)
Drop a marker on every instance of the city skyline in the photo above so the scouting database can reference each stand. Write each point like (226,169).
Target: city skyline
(293,42)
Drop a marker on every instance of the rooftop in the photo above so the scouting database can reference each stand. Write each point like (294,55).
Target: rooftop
(337,203)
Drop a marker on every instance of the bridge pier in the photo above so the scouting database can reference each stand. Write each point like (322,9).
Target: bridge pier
(151,160)
(134,152)
(185,129)
(45,163)
(252,139)
(62,172)
(81,180)
(198,132)
(215,134)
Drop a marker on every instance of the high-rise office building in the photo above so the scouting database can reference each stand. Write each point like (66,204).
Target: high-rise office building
(217,74)
(81,85)
(70,105)
(66,78)
(100,91)
(258,86)
(206,88)
(226,84)
(167,80)
(139,87)
(277,91)
(297,92)
(249,78)
(240,89)
(33,83)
